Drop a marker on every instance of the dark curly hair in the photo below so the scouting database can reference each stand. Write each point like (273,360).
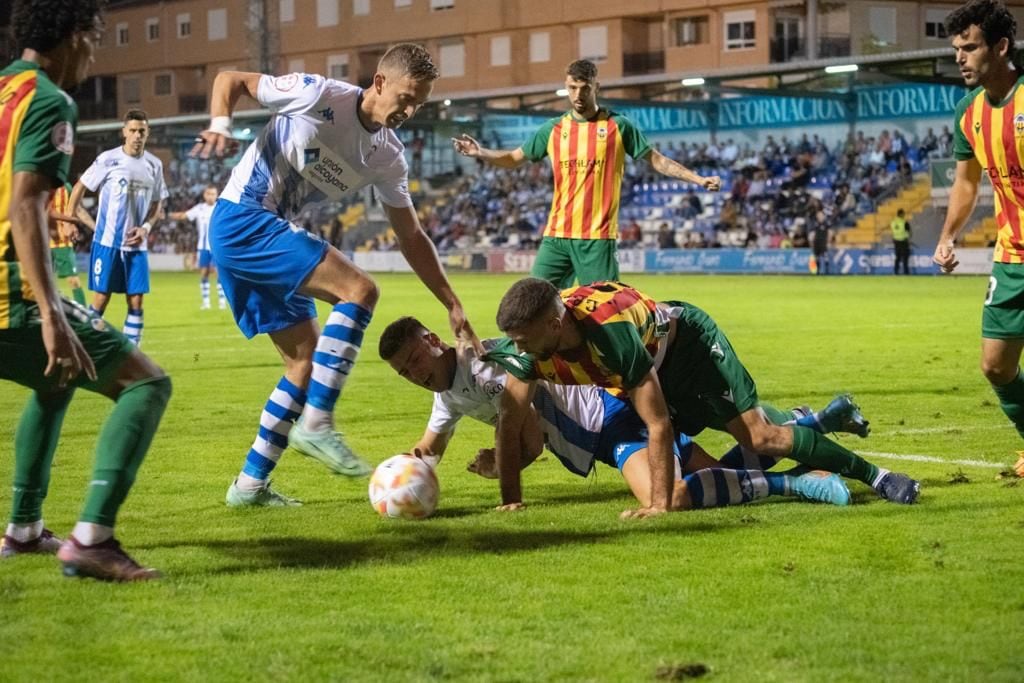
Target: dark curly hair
(582,70)
(397,333)
(42,25)
(526,301)
(991,16)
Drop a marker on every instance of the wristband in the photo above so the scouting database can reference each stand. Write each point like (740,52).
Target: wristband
(220,125)
(147,226)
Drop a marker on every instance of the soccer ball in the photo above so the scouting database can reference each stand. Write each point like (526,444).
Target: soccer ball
(404,486)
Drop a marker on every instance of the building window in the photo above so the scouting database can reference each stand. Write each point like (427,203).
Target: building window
(121,31)
(163,84)
(403,3)
(691,31)
(453,59)
(326,12)
(442,4)
(935,23)
(882,24)
(501,51)
(286,11)
(337,67)
(360,8)
(216,24)
(739,30)
(594,43)
(152,29)
(131,90)
(296,66)
(540,47)
(184,25)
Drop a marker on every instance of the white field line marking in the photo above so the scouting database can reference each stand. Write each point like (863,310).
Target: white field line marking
(931,458)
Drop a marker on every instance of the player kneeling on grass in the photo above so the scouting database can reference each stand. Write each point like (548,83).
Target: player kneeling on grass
(584,424)
(49,344)
(667,357)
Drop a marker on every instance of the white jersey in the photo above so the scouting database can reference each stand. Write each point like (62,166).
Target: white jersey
(571,416)
(200,215)
(315,149)
(127,185)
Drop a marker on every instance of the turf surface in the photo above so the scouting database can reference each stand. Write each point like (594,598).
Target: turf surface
(776,591)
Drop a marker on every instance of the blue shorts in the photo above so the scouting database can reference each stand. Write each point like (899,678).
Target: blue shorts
(204,258)
(262,259)
(624,433)
(117,270)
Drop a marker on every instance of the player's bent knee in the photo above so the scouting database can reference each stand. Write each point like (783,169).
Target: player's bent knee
(998,373)
(136,368)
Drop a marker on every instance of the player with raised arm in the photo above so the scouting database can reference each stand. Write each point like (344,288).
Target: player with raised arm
(987,140)
(130,183)
(584,424)
(48,344)
(587,146)
(200,214)
(326,140)
(678,368)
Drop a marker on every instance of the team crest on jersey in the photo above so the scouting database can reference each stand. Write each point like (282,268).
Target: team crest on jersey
(311,156)
(122,185)
(1018,124)
(602,132)
(63,137)
(286,83)
(977,126)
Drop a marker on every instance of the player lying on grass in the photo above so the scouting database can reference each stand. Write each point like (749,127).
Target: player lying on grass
(678,369)
(584,424)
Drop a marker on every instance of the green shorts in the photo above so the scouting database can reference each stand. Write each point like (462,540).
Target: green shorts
(64,261)
(23,355)
(563,261)
(704,382)
(1003,314)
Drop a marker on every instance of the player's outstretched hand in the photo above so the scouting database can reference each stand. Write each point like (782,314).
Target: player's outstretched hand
(209,143)
(427,456)
(511,507)
(463,330)
(711,183)
(466,145)
(642,513)
(64,352)
(945,257)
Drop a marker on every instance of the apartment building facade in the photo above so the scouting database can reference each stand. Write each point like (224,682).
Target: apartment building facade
(163,56)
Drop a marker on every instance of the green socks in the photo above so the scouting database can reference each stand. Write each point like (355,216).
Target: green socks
(815,450)
(78,295)
(35,442)
(123,443)
(1011,400)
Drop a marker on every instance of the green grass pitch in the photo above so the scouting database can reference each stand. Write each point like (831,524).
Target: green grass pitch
(776,591)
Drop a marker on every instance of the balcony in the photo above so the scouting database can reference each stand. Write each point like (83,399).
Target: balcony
(634,63)
(787,49)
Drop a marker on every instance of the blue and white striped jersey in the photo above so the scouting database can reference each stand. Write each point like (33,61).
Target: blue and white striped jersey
(127,185)
(315,149)
(200,215)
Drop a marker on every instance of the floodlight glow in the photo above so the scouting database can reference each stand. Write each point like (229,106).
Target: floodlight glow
(562,92)
(691,82)
(447,103)
(841,69)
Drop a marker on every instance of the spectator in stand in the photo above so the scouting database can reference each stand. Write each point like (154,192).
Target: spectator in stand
(929,144)
(666,237)
(630,235)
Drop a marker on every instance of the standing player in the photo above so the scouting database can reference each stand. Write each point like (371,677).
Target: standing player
(200,214)
(581,424)
(988,139)
(62,241)
(587,146)
(130,182)
(679,370)
(49,344)
(326,140)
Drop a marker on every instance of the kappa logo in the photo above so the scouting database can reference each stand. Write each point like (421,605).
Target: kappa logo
(327,114)
(308,80)
(1018,124)
(311,156)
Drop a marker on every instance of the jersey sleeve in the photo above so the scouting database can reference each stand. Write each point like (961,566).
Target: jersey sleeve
(393,186)
(962,150)
(622,350)
(290,94)
(520,366)
(95,174)
(536,148)
(194,213)
(46,138)
(633,139)
(442,418)
(160,192)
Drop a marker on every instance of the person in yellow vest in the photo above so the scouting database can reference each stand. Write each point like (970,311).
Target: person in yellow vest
(987,140)
(587,147)
(900,228)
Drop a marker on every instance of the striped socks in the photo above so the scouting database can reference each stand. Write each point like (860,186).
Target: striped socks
(710,488)
(335,354)
(204,292)
(279,414)
(133,325)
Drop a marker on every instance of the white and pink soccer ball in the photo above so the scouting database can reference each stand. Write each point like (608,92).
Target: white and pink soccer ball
(403,486)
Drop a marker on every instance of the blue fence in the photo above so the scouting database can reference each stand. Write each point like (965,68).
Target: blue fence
(843,261)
